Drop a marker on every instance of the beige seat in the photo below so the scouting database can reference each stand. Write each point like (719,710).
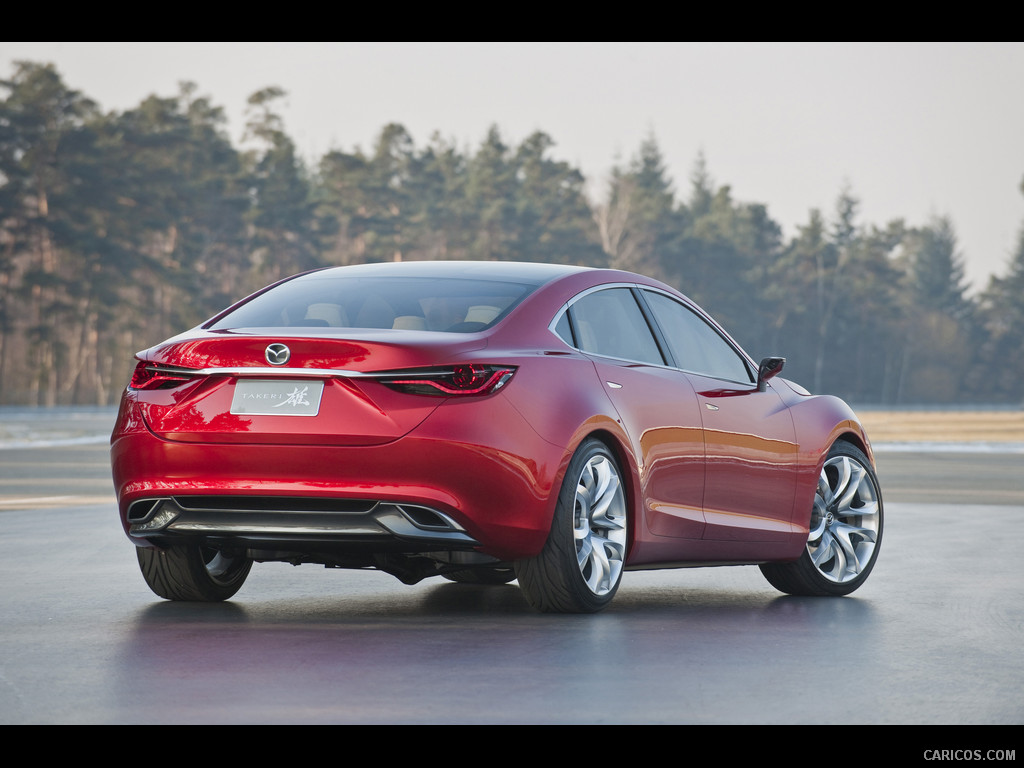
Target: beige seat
(331,314)
(481,313)
(410,323)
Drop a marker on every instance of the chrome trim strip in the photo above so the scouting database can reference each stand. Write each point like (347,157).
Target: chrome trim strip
(282,372)
(277,372)
(269,529)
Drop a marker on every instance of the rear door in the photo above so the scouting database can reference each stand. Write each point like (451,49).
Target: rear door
(657,405)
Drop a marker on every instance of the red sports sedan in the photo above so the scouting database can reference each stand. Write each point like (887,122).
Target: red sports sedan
(484,422)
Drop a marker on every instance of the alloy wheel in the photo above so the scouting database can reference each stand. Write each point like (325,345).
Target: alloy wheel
(599,525)
(845,521)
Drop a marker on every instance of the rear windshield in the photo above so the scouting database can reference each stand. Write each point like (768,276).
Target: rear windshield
(451,305)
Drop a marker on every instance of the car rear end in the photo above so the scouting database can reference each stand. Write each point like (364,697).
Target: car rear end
(328,443)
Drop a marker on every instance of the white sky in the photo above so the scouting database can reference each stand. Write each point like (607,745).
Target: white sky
(914,129)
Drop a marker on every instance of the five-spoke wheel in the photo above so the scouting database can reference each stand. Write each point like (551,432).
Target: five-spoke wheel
(580,567)
(845,529)
(599,525)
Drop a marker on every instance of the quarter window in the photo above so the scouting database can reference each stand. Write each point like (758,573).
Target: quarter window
(564,330)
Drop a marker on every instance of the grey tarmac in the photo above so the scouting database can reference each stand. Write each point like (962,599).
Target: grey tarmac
(932,638)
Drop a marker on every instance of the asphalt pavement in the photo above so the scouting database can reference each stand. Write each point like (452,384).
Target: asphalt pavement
(933,637)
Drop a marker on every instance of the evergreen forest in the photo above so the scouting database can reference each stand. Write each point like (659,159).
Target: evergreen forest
(119,229)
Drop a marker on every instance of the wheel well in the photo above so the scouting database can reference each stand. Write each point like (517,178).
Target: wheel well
(612,445)
(854,439)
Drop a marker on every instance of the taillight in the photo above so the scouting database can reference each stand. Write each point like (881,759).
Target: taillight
(468,379)
(151,376)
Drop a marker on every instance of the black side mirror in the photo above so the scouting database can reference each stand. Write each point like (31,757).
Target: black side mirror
(769,368)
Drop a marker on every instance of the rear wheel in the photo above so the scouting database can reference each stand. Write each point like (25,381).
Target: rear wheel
(845,530)
(580,567)
(193,572)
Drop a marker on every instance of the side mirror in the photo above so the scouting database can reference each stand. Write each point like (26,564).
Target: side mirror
(769,368)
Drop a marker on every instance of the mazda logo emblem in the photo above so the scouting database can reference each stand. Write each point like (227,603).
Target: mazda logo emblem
(277,354)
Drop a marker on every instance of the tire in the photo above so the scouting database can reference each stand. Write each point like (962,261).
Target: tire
(483,575)
(845,530)
(580,567)
(195,573)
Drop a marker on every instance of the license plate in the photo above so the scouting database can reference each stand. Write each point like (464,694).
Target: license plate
(258,397)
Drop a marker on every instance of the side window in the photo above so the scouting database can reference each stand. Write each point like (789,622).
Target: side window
(610,323)
(696,346)
(564,330)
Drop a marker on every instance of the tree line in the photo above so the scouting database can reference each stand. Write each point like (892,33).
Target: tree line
(120,229)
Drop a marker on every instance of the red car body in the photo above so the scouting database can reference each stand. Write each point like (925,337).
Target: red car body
(437,452)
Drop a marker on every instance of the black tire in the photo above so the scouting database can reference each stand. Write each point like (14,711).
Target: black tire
(845,530)
(195,573)
(580,567)
(485,575)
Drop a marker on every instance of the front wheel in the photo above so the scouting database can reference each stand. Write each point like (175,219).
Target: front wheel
(845,530)
(192,572)
(580,567)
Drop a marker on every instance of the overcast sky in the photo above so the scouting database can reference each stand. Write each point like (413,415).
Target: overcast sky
(914,130)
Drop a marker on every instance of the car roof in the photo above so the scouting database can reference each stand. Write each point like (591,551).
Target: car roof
(512,271)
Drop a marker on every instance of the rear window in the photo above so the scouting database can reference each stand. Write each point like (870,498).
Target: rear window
(452,305)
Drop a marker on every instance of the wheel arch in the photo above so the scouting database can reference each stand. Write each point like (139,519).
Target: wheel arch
(855,437)
(858,440)
(611,435)
(820,422)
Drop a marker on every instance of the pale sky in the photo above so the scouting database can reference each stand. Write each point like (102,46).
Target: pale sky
(914,130)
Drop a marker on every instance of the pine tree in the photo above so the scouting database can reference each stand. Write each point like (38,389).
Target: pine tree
(1002,314)
(281,213)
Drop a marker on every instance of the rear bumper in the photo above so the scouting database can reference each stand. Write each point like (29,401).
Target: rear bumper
(492,491)
(281,521)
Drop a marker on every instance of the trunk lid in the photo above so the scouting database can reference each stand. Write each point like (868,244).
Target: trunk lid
(320,395)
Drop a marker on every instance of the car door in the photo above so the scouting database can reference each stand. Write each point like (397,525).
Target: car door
(749,439)
(657,406)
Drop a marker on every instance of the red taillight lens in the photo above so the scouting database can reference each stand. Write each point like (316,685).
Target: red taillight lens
(150,376)
(469,379)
